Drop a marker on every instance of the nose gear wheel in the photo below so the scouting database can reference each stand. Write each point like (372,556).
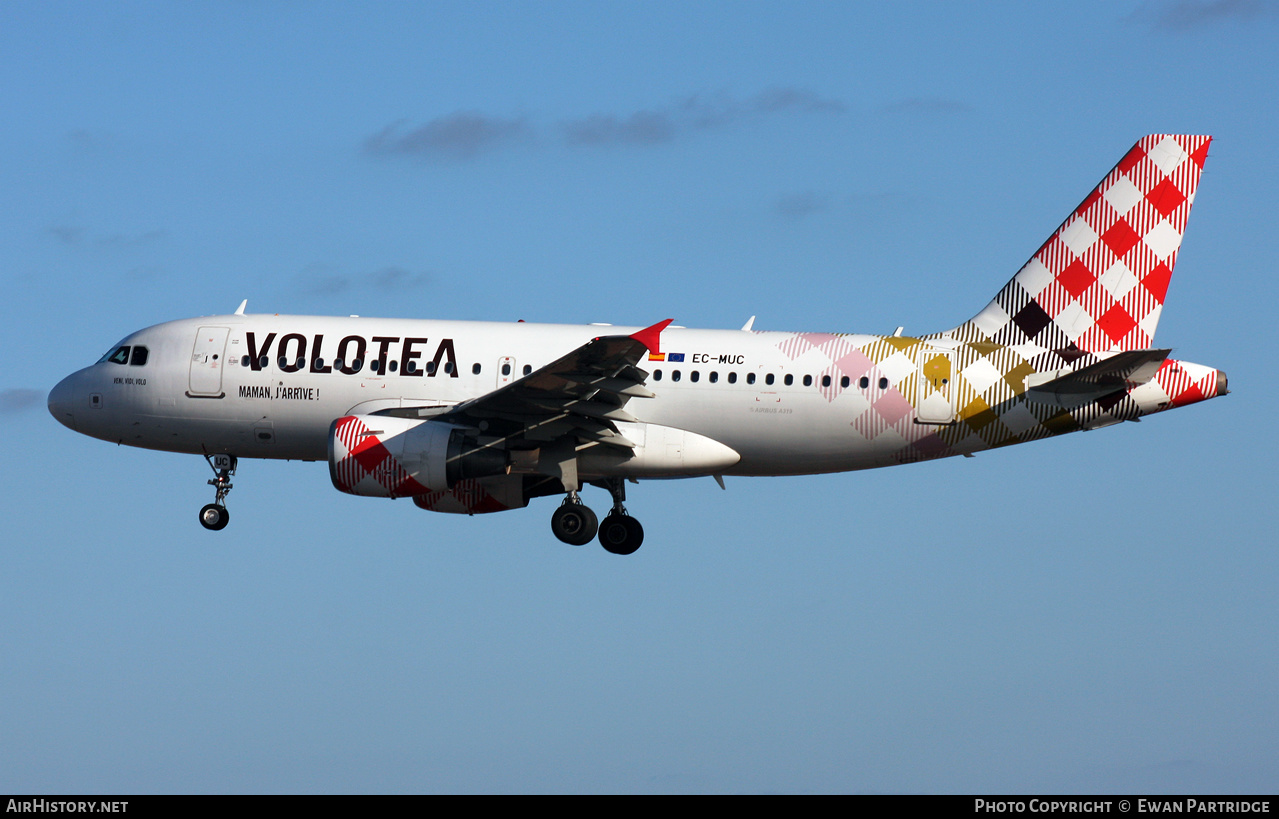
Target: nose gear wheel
(214,516)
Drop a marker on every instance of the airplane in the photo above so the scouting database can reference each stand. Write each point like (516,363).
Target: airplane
(478,417)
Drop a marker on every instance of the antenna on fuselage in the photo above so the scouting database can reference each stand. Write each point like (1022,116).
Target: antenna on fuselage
(239,311)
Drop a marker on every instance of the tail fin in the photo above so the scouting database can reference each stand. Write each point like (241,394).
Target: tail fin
(1098,283)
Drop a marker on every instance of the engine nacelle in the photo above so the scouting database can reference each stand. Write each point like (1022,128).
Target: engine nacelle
(477,497)
(386,457)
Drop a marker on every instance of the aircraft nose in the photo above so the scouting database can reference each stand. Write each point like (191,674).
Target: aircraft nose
(62,399)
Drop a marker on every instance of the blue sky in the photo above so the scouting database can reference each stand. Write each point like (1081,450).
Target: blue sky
(1090,613)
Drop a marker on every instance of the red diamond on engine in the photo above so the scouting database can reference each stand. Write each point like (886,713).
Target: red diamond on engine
(370,453)
(1120,238)
(1116,323)
(1165,197)
(1076,278)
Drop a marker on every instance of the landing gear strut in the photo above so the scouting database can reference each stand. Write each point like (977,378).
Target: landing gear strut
(574,522)
(215,515)
(620,533)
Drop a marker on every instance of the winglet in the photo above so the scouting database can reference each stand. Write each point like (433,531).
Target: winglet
(239,311)
(650,337)
(750,322)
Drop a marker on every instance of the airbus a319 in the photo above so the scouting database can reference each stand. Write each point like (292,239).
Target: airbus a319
(476,417)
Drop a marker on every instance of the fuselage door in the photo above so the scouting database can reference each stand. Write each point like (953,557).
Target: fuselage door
(934,386)
(207,358)
(505,371)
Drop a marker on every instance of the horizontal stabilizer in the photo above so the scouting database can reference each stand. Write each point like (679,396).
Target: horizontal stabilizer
(1120,372)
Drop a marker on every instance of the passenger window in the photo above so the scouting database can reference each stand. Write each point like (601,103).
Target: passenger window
(506,368)
(750,378)
(394,365)
(264,362)
(825,380)
(528,369)
(244,362)
(768,379)
(475,369)
(410,368)
(844,382)
(301,362)
(318,364)
(883,383)
(864,383)
(694,376)
(448,367)
(675,375)
(283,362)
(808,381)
(430,367)
(732,378)
(337,363)
(357,365)
(790,379)
(657,375)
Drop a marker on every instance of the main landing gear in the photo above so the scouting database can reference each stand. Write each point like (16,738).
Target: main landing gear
(214,515)
(575,524)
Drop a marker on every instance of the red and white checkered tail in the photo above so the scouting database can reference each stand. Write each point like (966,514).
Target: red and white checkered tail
(1099,281)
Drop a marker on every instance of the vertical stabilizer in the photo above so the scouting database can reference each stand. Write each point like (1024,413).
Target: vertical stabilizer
(1098,283)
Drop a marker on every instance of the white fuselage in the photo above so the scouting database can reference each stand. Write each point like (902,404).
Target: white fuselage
(195,393)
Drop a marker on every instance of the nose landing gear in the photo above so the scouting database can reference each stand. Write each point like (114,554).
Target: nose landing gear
(214,515)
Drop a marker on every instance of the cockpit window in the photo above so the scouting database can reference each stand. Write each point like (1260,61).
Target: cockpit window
(120,355)
(139,357)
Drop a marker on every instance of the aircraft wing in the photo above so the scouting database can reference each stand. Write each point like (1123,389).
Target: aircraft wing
(581,394)
(1123,371)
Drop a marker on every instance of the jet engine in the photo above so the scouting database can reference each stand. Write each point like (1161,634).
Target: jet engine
(385,457)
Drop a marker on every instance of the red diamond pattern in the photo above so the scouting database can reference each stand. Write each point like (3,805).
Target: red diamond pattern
(1131,158)
(1116,323)
(1087,203)
(1164,203)
(1165,197)
(1076,278)
(1156,282)
(1201,153)
(1120,238)
(369,453)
